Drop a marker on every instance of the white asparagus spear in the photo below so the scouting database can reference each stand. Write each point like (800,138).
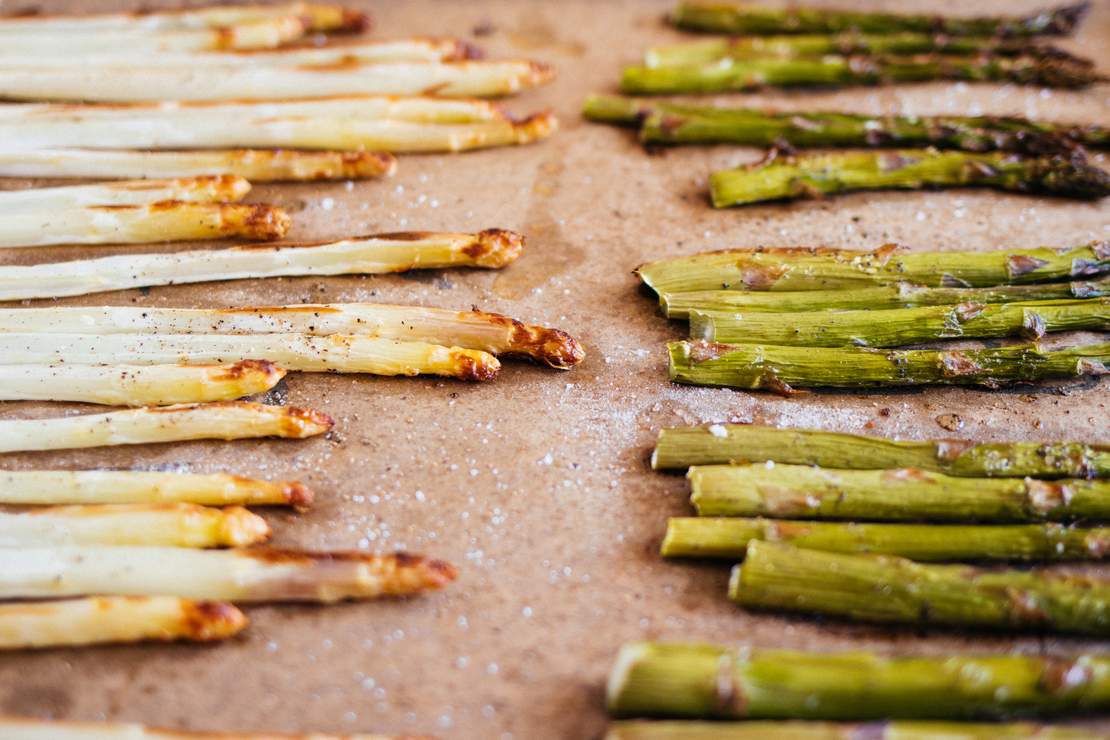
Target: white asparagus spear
(316,16)
(340,353)
(142,224)
(257,165)
(135,84)
(205,189)
(137,385)
(473,329)
(159,525)
(228,420)
(14,728)
(110,619)
(254,574)
(77,487)
(262,34)
(368,255)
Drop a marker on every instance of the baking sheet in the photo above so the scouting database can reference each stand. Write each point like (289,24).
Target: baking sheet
(536,485)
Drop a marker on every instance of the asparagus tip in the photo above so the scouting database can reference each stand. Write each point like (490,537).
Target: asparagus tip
(211,620)
(495,248)
(241,527)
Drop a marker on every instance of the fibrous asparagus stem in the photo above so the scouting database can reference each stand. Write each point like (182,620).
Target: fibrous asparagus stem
(816,175)
(662,122)
(801,730)
(822,268)
(902,494)
(381,253)
(720,444)
(880,588)
(842,71)
(745,19)
(114,619)
(898,327)
(901,295)
(700,537)
(781,369)
(708,681)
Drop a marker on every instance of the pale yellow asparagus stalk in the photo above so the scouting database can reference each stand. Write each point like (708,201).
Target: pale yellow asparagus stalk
(473,329)
(137,385)
(382,253)
(232,420)
(206,189)
(141,224)
(342,353)
(14,728)
(247,575)
(90,487)
(111,619)
(257,165)
(165,525)
(316,17)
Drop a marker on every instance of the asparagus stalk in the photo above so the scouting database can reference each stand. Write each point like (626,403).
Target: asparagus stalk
(779,576)
(898,327)
(339,353)
(368,255)
(35,729)
(817,175)
(137,385)
(698,537)
(900,295)
(91,487)
(257,165)
(708,681)
(903,494)
(140,224)
(662,122)
(326,17)
(745,19)
(826,71)
(489,332)
(247,575)
(682,447)
(208,189)
(797,730)
(781,369)
(166,525)
(232,420)
(114,619)
(818,268)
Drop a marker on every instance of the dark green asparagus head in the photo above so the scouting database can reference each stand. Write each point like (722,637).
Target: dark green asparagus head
(1070,176)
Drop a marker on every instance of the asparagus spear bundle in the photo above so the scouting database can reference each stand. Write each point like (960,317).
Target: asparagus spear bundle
(682,447)
(901,295)
(799,730)
(816,175)
(208,189)
(489,332)
(822,268)
(661,122)
(825,71)
(381,253)
(165,525)
(897,327)
(880,588)
(114,619)
(699,537)
(35,729)
(708,681)
(231,420)
(93,487)
(782,369)
(247,575)
(721,17)
(907,494)
(137,385)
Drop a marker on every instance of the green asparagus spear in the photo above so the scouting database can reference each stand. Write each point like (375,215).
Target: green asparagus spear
(819,268)
(709,681)
(701,537)
(800,730)
(794,177)
(901,295)
(898,327)
(901,494)
(881,588)
(842,71)
(745,19)
(662,122)
(781,369)
(721,444)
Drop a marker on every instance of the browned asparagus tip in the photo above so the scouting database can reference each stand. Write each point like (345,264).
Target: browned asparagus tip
(495,248)
(239,370)
(358,164)
(210,620)
(298,422)
(552,346)
(299,496)
(425,573)
(355,21)
(261,222)
(475,366)
(241,527)
(536,126)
